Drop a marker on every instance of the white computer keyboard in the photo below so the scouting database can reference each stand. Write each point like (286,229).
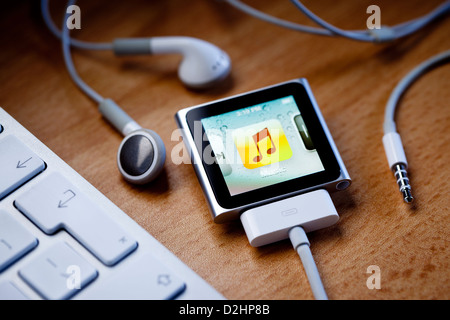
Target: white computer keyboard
(61,238)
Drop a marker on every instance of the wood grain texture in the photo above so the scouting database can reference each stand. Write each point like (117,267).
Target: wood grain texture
(351,81)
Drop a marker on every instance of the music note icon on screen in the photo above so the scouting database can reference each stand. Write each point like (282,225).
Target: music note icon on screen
(261,144)
(258,137)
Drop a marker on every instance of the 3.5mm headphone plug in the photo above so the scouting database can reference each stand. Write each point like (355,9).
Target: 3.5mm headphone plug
(403,182)
(397,162)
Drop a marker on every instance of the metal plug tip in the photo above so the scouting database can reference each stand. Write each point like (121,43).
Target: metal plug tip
(407,196)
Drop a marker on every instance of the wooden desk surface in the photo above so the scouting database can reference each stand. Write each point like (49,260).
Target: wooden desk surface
(351,82)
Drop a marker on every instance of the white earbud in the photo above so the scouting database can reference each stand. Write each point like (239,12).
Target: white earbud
(203,63)
(142,153)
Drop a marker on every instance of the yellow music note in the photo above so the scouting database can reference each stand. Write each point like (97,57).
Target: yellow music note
(268,145)
(257,137)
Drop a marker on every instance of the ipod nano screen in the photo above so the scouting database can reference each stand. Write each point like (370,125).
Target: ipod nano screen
(262,145)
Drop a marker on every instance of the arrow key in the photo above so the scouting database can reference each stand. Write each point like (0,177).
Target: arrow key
(18,164)
(55,203)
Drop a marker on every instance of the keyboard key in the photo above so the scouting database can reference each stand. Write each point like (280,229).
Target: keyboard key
(58,273)
(18,164)
(146,278)
(15,240)
(54,204)
(8,291)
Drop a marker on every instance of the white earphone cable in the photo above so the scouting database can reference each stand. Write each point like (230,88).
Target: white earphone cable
(73,42)
(376,35)
(65,40)
(397,93)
